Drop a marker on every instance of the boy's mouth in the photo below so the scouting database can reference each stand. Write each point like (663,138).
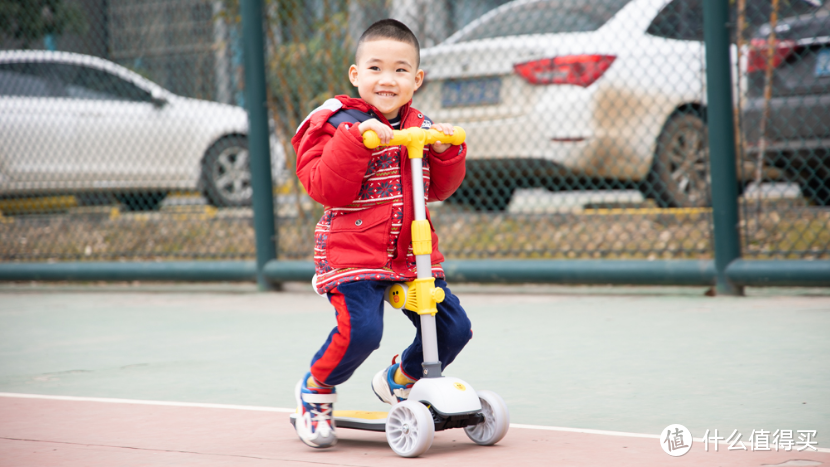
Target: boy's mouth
(386,94)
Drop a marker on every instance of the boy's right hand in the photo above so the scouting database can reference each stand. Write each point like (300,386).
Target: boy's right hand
(383,131)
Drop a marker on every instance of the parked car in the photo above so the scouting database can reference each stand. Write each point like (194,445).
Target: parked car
(78,124)
(796,117)
(563,92)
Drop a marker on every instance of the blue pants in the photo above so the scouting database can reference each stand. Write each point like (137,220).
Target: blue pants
(359,311)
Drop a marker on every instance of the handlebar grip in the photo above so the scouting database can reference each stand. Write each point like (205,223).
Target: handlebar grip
(371,139)
(457,138)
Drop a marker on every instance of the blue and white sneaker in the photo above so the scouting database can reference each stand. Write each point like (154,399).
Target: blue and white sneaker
(314,423)
(385,387)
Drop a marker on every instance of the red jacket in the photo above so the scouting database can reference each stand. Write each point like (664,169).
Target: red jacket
(367,194)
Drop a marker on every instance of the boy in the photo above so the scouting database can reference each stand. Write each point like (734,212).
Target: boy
(363,240)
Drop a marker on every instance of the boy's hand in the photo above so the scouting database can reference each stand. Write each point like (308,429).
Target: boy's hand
(448,130)
(383,131)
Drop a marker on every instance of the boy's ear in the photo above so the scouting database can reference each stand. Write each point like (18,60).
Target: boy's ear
(353,75)
(419,79)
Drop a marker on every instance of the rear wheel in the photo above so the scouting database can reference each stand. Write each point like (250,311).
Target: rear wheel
(817,190)
(488,185)
(226,173)
(496,420)
(679,175)
(814,178)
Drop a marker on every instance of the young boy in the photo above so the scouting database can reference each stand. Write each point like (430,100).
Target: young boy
(363,241)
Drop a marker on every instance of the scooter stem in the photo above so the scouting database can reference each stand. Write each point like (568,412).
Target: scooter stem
(425,295)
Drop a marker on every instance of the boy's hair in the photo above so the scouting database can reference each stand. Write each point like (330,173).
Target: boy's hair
(390,29)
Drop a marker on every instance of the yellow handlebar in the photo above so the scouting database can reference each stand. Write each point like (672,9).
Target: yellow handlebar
(415,137)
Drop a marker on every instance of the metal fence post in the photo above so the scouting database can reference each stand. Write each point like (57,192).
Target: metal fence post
(258,139)
(721,142)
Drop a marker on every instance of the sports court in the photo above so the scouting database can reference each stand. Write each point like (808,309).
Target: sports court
(160,374)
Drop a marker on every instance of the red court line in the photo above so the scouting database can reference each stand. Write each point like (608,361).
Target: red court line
(45,430)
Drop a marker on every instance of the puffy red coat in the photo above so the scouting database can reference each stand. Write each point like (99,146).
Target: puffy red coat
(367,194)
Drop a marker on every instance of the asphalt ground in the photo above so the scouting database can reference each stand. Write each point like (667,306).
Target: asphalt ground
(587,373)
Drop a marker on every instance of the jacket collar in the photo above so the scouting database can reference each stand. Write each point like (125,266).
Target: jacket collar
(363,106)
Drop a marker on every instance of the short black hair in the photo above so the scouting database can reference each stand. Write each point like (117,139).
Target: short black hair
(390,29)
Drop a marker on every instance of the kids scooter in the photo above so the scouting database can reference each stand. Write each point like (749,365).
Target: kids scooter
(435,402)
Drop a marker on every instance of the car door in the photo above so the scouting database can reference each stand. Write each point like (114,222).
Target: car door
(120,131)
(37,129)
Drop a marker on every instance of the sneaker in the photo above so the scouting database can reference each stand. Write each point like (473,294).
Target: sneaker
(314,423)
(385,387)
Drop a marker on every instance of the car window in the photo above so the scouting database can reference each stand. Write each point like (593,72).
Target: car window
(683,19)
(546,17)
(758,11)
(83,82)
(27,79)
(680,19)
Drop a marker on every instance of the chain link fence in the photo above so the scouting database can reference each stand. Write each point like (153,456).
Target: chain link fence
(124,134)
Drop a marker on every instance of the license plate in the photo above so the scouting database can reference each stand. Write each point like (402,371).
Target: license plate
(469,92)
(823,63)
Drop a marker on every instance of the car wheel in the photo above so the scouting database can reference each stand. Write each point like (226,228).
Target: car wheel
(814,180)
(482,199)
(226,173)
(488,186)
(679,175)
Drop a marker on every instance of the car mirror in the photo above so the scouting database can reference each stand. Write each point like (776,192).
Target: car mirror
(158,99)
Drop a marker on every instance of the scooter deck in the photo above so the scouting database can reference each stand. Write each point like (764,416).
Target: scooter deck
(356,420)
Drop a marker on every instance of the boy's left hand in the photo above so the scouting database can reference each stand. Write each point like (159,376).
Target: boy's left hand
(448,130)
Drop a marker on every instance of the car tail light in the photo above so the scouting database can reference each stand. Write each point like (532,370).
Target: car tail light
(580,70)
(757,59)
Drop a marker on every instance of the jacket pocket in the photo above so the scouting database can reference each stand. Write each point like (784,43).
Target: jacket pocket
(359,239)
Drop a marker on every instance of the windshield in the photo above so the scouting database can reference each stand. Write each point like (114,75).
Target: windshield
(545,17)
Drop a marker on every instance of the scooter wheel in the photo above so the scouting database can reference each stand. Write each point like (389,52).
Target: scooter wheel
(410,429)
(496,420)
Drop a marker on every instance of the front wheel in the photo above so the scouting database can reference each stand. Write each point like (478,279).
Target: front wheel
(226,173)
(496,420)
(410,429)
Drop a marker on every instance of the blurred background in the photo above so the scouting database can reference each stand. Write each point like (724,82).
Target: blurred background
(123,131)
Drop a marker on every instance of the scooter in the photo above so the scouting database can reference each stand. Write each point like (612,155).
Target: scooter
(435,402)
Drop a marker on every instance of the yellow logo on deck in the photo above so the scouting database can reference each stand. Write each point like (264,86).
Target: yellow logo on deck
(460,387)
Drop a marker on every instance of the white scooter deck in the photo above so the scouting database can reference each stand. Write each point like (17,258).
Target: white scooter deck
(356,419)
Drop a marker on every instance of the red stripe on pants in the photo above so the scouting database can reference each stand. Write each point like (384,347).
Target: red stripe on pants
(323,367)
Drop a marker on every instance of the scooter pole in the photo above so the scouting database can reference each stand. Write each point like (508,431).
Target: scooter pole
(424,294)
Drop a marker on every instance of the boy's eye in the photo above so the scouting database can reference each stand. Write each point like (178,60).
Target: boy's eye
(374,68)
(402,70)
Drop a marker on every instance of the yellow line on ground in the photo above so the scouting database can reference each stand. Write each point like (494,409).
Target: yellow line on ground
(647,211)
(40,204)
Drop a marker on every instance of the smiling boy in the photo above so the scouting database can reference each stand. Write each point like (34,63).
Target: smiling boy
(363,240)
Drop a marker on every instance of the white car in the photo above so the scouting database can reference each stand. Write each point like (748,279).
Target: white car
(607,92)
(73,123)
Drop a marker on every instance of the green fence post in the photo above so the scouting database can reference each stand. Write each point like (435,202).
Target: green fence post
(721,142)
(258,139)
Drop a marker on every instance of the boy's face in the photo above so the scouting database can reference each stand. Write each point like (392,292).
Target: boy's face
(386,74)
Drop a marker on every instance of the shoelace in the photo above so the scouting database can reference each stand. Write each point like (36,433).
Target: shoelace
(322,413)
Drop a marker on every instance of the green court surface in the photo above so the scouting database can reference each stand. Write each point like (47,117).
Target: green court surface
(620,359)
